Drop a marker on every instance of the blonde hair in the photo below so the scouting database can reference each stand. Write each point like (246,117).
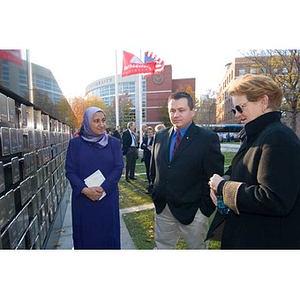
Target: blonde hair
(256,86)
(159,127)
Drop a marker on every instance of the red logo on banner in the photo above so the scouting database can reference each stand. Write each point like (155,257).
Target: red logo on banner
(13,56)
(133,65)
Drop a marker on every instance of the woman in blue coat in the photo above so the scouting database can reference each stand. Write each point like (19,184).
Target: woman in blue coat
(96,223)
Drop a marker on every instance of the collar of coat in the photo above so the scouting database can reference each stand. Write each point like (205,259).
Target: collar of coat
(254,127)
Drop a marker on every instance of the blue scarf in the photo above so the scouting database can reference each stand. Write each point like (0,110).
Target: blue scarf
(86,132)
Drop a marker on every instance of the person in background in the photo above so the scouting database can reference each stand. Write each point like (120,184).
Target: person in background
(144,135)
(147,147)
(130,148)
(159,127)
(96,224)
(109,132)
(184,157)
(117,133)
(261,190)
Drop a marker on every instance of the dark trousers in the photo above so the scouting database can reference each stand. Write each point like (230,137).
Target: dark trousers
(131,156)
(147,165)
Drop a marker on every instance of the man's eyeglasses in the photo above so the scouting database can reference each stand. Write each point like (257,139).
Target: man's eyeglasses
(238,108)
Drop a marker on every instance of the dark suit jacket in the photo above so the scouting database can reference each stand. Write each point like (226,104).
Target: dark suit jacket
(127,140)
(183,183)
(147,153)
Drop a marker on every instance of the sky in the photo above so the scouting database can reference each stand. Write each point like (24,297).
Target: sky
(74,74)
(78,42)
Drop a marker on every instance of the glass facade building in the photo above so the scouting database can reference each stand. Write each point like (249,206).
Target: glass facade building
(105,89)
(15,78)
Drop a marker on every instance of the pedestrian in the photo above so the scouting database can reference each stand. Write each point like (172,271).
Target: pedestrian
(159,127)
(261,193)
(180,191)
(117,133)
(144,135)
(96,224)
(147,147)
(130,149)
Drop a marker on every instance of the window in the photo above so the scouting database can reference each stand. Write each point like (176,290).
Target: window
(242,71)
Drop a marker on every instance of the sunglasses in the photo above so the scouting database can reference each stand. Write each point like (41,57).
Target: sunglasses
(239,108)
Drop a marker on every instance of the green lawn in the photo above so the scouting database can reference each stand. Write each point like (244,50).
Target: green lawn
(141,224)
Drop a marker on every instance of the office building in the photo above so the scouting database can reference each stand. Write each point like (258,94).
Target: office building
(155,91)
(15,78)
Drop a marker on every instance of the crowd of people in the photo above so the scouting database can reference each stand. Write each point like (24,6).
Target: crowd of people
(256,202)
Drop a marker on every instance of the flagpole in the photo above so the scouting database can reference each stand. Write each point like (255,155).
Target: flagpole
(116,90)
(29,74)
(140,103)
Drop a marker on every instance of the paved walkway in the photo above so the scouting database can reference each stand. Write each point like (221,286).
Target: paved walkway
(65,241)
(230,147)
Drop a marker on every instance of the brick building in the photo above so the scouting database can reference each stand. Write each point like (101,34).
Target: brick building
(239,66)
(158,89)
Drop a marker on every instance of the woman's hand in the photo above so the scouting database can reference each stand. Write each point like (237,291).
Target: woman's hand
(93,193)
(214,182)
(213,197)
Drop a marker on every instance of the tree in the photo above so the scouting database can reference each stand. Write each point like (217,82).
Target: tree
(80,104)
(206,108)
(284,67)
(77,105)
(65,113)
(125,112)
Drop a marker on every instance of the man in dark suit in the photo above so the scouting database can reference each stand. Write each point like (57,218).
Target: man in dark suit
(117,133)
(130,149)
(180,177)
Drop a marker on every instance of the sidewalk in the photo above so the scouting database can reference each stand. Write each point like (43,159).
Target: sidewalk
(65,241)
(230,147)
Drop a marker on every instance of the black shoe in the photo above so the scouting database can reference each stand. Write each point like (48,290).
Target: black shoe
(133,178)
(148,193)
(127,179)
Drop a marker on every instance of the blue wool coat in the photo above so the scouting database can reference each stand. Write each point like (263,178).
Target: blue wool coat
(96,224)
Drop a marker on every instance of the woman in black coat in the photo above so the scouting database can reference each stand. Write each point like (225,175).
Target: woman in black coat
(262,186)
(147,147)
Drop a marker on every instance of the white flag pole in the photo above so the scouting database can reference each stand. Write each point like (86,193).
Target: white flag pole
(116,92)
(141,102)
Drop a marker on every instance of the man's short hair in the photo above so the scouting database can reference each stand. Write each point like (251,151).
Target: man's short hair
(180,95)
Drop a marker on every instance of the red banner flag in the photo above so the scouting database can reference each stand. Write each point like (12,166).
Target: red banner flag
(159,63)
(133,65)
(13,56)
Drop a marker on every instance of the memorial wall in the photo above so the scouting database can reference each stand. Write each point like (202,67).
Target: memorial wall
(32,173)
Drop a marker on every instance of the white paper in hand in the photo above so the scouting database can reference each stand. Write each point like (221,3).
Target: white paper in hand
(95,179)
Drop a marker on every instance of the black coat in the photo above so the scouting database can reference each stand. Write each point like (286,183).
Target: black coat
(127,140)
(144,146)
(183,183)
(264,189)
